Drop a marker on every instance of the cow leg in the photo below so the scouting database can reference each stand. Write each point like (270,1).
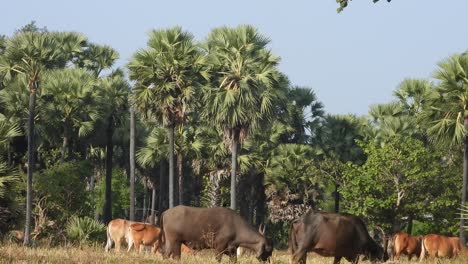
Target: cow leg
(138,247)
(397,255)
(109,244)
(117,245)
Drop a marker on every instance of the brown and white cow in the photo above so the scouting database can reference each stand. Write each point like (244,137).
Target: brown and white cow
(147,235)
(440,246)
(407,244)
(117,232)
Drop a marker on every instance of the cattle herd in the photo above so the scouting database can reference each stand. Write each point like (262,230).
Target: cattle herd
(189,229)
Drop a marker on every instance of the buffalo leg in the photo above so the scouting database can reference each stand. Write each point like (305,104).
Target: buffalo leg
(354,260)
(336,260)
(167,249)
(300,256)
(231,252)
(221,249)
(176,250)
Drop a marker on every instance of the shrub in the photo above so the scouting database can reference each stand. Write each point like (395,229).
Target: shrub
(84,230)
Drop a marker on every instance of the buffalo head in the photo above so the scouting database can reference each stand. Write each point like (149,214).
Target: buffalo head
(266,248)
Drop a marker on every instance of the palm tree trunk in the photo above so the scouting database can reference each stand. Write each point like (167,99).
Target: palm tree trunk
(337,198)
(65,141)
(171,166)
(143,215)
(132,164)
(153,205)
(180,160)
(107,214)
(162,187)
(32,107)
(465,181)
(233,170)
(215,193)
(409,228)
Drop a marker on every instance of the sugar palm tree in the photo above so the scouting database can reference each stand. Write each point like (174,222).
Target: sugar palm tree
(114,91)
(169,71)
(244,77)
(97,58)
(28,54)
(448,115)
(72,99)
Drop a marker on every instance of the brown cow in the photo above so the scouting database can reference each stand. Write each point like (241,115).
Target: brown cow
(440,246)
(332,235)
(117,232)
(407,244)
(219,228)
(147,235)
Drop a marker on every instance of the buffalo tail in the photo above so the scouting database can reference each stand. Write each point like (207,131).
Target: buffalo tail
(292,239)
(161,237)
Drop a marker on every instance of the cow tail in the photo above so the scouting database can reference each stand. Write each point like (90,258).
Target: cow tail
(423,250)
(109,239)
(161,237)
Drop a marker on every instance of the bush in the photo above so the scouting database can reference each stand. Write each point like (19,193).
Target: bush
(84,230)
(63,187)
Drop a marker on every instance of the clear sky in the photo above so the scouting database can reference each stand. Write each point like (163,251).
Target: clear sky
(351,60)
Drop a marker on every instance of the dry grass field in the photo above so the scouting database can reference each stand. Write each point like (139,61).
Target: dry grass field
(11,253)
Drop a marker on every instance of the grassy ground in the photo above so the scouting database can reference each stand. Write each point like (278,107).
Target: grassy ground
(10,253)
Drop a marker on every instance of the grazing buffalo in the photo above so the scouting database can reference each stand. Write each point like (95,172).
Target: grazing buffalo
(147,235)
(245,251)
(117,232)
(219,228)
(332,235)
(407,244)
(440,246)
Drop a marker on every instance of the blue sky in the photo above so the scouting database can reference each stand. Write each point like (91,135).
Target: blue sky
(351,60)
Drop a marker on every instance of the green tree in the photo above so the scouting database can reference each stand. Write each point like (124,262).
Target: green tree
(344,3)
(448,115)
(393,182)
(243,88)
(169,72)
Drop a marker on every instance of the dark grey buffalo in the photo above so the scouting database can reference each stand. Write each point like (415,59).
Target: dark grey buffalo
(332,235)
(219,228)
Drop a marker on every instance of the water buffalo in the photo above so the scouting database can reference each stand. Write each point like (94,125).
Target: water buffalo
(219,228)
(440,246)
(404,243)
(332,235)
